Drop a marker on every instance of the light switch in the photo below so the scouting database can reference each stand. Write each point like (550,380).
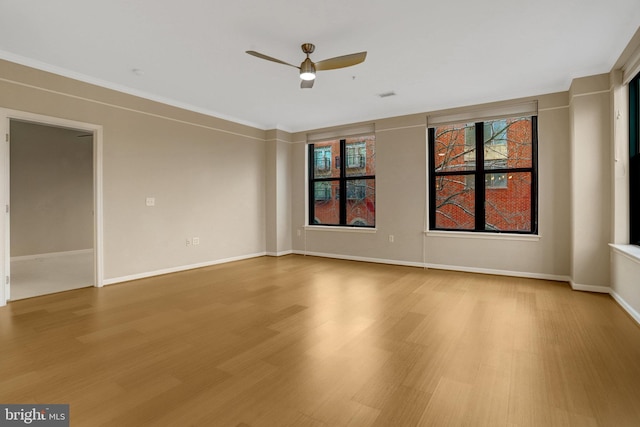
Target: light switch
(151,201)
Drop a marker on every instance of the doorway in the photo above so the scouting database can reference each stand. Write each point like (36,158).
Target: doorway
(51,216)
(52,187)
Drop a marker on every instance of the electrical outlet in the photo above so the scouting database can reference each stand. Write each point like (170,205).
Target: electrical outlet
(150,201)
(391,238)
(196,241)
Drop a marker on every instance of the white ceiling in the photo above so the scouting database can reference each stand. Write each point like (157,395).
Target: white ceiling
(432,54)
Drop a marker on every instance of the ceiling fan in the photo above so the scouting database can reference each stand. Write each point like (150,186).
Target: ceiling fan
(308,68)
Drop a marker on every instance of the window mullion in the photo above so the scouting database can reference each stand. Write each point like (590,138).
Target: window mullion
(480,184)
(433,177)
(534,174)
(343,182)
(311,190)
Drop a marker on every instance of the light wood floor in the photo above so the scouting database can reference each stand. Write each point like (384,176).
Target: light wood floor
(303,341)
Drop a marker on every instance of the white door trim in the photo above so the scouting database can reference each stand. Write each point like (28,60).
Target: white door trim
(5,116)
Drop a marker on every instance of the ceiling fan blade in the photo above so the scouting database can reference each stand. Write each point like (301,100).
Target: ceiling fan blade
(341,61)
(268,58)
(306,84)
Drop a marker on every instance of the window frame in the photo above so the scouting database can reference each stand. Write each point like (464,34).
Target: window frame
(634,160)
(342,196)
(479,173)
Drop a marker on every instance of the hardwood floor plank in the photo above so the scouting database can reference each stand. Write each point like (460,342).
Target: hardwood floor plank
(443,408)
(486,404)
(403,408)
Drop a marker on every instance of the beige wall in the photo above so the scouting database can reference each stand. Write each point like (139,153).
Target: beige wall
(278,192)
(207,175)
(625,258)
(590,180)
(401,196)
(51,190)
(619,153)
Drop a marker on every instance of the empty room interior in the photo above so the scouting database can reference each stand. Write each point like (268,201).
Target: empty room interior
(433,220)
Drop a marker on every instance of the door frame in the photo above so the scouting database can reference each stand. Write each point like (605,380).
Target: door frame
(6,115)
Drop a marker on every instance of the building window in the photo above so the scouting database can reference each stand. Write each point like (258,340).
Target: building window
(634,160)
(322,162)
(356,155)
(344,193)
(483,176)
(323,191)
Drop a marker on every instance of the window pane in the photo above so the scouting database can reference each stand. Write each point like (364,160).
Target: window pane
(326,202)
(455,148)
(455,202)
(495,180)
(326,159)
(360,155)
(495,144)
(495,132)
(361,202)
(508,143)
(509,208)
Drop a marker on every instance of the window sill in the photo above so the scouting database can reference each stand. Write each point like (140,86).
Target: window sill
(338,228)
(484,236)
(629,251)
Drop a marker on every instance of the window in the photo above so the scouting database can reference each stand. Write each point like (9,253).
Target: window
(323,190)
(356,189)
(483,176)
(343,193)
(322,163)
(356,155)
(496,133)
(634,160)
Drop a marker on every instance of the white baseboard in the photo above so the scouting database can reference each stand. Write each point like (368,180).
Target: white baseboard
(527,275)
(554,277)
(50,255)
(363,259)
(632,312)
(590,288)
(283,253)
(121,279)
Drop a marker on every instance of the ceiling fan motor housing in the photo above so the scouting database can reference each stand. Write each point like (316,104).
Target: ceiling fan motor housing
(307,70)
